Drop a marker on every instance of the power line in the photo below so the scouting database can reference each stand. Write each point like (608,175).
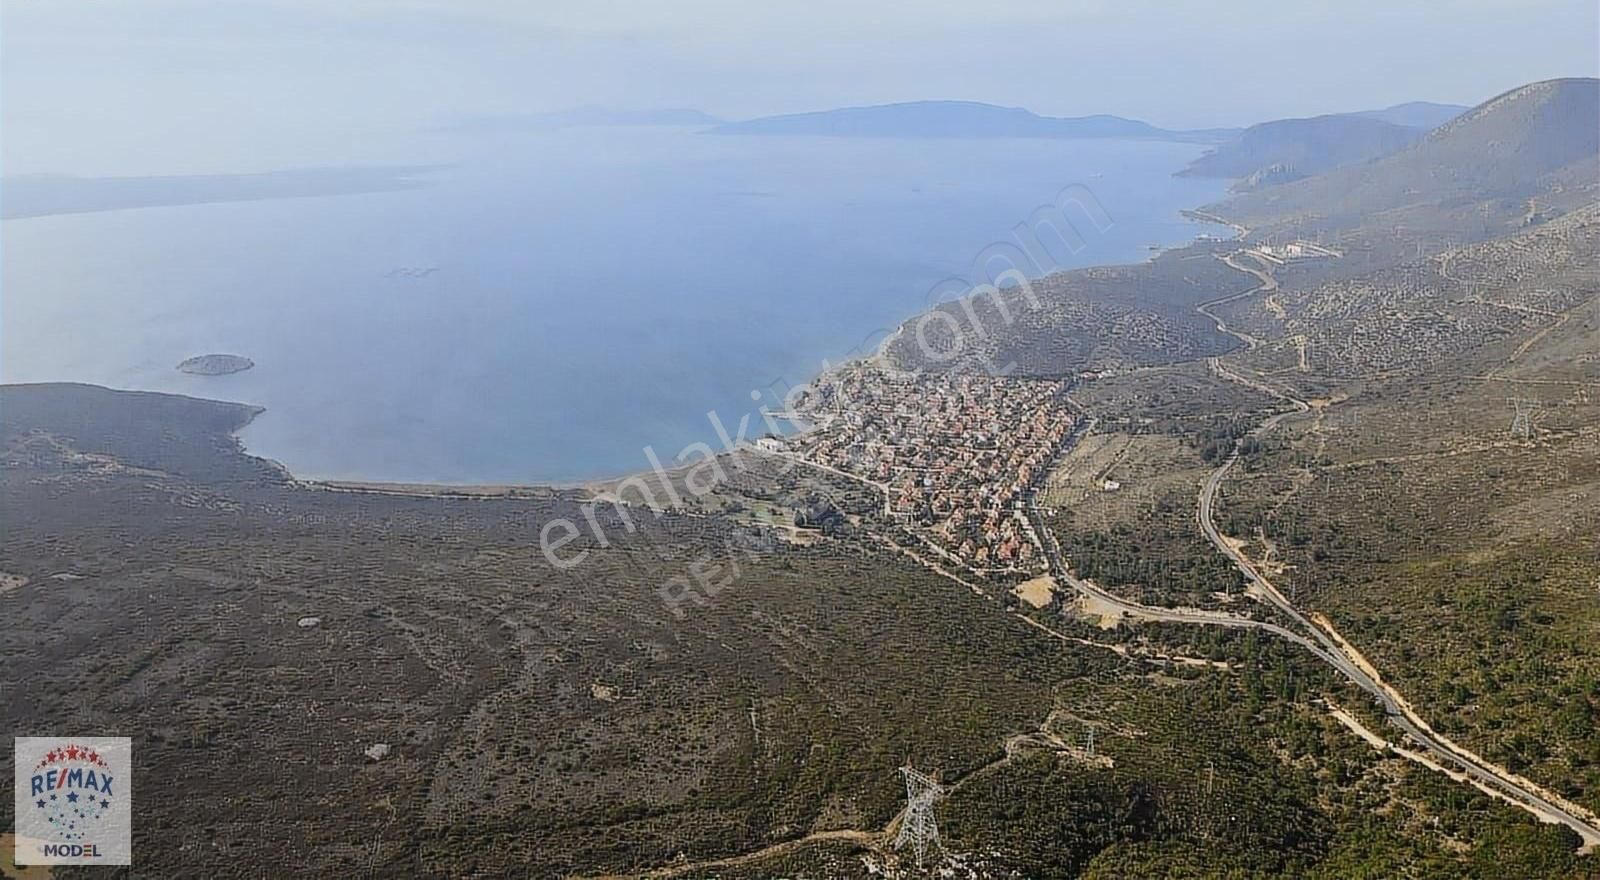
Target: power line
(918,827)
(1522,421)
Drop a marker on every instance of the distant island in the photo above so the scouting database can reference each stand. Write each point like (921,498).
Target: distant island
(215,364)
(960,119)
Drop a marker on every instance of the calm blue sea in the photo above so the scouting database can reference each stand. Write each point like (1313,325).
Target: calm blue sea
(593,291)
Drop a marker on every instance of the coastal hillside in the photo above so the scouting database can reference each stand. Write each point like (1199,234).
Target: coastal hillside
(1097,318)
(1303,147)
(750,736)
(954,119)
(1457,307)
(1290,149)
(1524,156)
(1510,164)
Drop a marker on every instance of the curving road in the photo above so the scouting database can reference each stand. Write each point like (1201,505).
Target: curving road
(1326,645)
(1332,648)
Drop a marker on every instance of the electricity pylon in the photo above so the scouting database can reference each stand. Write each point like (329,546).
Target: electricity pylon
(1522,422)
(917,826)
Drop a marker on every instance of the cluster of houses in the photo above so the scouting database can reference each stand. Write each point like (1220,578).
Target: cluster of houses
(955,455)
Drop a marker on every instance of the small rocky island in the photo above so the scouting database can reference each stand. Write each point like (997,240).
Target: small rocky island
(216,364)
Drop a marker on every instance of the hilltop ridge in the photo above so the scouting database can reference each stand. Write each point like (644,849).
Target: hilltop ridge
(1416,114)
(1290,149)
(1303,146)
(1531,152)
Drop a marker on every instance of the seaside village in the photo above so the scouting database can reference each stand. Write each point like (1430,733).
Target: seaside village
(953,454)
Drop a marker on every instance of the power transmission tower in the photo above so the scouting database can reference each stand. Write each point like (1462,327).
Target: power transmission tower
(917,826)
(1522,422)
(1090,748)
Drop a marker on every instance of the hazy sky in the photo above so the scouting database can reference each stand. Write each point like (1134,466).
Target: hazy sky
(180,85)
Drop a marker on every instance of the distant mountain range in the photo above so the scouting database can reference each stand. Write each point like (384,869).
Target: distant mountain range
(1415,114)
(1289,149)
(1510,159)
(1370,132)
(958,119)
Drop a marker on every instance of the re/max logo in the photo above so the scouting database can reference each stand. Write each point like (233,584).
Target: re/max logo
(77,777)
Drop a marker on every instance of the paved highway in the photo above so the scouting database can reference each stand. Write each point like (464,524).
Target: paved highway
(1334,650)
(1325,647)
(1323,642)
(1327,644)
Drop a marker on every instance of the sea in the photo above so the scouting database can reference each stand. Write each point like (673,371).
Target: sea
(555,306)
